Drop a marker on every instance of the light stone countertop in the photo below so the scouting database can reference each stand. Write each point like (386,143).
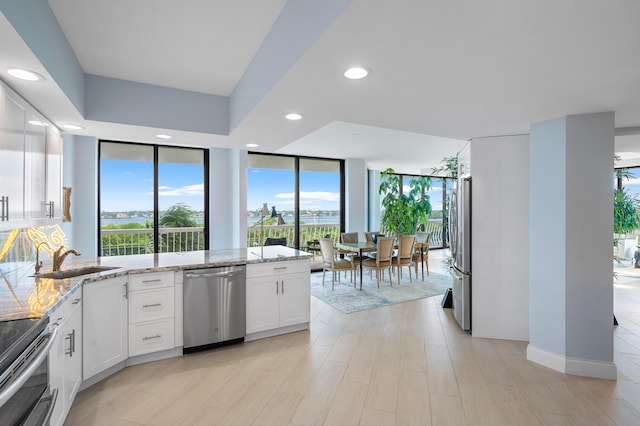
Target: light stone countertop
(23,296)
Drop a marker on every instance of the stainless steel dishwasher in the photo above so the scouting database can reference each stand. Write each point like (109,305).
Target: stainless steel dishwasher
(214,307)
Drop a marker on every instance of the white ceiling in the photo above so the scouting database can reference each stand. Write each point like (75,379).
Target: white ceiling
(454,70)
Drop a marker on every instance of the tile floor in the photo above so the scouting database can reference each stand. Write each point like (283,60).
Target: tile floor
(398,365)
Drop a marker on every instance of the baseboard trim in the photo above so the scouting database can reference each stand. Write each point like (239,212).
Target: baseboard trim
(276,332)
(575,366)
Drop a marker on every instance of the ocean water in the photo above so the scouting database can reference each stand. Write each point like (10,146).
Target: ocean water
(308,220)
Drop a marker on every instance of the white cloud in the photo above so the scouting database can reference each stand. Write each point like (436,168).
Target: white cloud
(187,190)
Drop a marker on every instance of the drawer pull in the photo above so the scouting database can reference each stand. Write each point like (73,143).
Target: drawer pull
(157,336)
(157,280)
(76,301)
(152,305)
(280,268)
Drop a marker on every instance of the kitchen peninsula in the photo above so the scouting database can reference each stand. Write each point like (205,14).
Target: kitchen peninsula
(131,310)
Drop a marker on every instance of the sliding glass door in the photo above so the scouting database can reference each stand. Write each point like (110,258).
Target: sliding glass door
(153,199)
(303,197)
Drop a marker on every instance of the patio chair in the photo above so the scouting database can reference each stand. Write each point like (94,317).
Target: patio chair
(382,261)
(331,262)
(275,241)
(405,255)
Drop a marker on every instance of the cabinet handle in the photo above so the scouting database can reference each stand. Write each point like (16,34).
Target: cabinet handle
(76,301)
(126,290)
(157,336)
(277,290)
(5,208)
(51,209)
(280,268)
(152,281)
(73,342)
(70,351)
(282,283)
(152,305)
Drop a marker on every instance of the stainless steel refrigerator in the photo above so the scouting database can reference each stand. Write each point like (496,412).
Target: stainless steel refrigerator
(460,238)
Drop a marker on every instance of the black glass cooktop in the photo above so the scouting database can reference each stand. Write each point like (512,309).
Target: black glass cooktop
(16,335)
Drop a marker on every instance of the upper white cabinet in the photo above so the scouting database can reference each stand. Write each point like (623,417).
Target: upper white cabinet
(53,198)
(31,164)
(35,163)
(12,125)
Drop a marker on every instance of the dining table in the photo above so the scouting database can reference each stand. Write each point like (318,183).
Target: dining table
(362,247)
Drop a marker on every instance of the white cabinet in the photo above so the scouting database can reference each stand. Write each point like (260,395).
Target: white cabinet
(12,125)
(53,199)
(151,312)
(31,164)
(65,358)
(35,163)
(278,296)
(104,317)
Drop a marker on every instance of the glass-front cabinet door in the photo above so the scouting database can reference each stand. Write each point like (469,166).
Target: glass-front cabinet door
(12,122)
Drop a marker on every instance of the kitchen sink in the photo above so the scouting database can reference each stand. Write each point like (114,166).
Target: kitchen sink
(76,272)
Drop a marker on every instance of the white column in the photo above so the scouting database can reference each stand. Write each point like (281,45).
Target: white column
(500,237)
(227,198)
(84,194)
(570,251)
(374,201)
(355,170)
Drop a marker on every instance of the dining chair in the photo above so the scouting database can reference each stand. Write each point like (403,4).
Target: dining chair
(349,237)
(405,255)
(382,261)
(422,253)
(331,262)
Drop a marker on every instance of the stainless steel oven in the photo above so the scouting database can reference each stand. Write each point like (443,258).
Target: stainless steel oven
(25,397)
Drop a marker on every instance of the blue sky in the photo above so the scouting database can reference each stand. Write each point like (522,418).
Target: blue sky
(128,185)
(318,190)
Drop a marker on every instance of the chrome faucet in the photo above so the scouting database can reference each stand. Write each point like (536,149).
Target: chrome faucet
(58,258)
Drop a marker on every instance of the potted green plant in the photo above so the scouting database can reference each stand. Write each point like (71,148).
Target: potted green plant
(625,219)
(625,214)
(403,212)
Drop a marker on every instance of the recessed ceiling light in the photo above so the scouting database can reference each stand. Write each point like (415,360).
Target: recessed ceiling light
(38,123)
(293,116)
(356,73)
(252,145)
(23,74)
(164,136)
(72,127)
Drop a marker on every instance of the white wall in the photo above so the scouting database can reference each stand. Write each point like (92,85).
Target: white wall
(355,170)
(500,237)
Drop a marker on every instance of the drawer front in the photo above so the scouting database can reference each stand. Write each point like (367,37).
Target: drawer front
(148,305)
(277,268)
(150,337)
(151,280)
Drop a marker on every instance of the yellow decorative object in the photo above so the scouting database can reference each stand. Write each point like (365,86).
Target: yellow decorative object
(66,204)
(52,235)
(43,296)
(9,243)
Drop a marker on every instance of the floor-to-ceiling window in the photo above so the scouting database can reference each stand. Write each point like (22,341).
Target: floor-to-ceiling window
(304,198)
(438,194)
(153,199)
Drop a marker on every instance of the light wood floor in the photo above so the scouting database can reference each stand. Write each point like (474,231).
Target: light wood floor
(398,365)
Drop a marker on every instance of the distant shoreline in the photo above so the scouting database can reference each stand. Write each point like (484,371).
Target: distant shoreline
(308,220)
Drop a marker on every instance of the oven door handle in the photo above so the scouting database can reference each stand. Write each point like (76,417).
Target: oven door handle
(10,390)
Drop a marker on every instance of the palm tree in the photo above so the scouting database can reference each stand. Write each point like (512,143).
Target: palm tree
(178,216)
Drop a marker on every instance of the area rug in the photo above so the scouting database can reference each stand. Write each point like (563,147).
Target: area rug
(347,299)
